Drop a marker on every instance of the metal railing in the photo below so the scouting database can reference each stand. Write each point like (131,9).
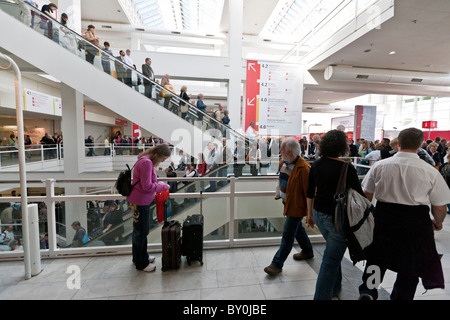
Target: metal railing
(229,196)
(53,220)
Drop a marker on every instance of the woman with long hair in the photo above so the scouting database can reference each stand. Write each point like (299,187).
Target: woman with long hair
(145,187)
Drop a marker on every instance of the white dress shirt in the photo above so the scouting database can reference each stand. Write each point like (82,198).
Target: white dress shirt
(251,134)
(127,59)
(374,155)
(408,180)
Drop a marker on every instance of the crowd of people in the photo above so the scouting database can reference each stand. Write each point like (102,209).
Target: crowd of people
(401,213)
(123,68)
(120,144)
(405,218)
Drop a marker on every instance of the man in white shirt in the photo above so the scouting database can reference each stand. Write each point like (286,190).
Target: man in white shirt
(251,133)
(405,187)
(7,235)
(212,161)
(127,59)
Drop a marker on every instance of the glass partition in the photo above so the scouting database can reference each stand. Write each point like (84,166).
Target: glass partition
(262,217)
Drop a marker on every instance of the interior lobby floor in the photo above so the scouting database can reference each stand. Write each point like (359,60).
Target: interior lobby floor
(228,274)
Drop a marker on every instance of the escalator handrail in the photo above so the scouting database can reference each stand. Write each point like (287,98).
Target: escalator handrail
(174,95)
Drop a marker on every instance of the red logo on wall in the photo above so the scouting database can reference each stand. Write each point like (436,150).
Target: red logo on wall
(429,125)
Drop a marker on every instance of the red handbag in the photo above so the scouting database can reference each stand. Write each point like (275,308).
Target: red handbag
(161,199)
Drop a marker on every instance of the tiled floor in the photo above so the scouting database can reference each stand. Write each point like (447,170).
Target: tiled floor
(232,274)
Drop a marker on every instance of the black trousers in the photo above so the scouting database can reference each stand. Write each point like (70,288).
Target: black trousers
(404,288)
(148,90)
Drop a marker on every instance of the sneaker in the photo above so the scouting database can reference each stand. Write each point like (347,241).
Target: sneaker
(272,270)
(365,296)
(301,256)
(150,268)
(151,259)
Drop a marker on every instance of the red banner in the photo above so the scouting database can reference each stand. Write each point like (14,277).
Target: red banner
(252,93)
(122,123)
(137,132)
(359,116)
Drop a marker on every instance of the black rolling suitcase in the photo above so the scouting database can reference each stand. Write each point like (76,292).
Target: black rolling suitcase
(192,240)
(171,244)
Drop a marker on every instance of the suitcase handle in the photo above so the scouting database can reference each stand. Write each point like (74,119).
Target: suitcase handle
(201,202)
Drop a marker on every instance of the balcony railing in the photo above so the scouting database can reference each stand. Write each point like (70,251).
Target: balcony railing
(235,218)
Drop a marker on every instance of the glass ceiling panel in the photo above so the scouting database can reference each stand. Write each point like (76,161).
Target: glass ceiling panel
(190,15)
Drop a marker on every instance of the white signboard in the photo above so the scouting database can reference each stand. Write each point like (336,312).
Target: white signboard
(275,90)
(365,122)
(42,103)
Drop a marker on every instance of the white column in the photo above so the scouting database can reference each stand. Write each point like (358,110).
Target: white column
(236,17)
(398,110)
(432,102)
(73,10)
(414,113)
(135,43)
(74,155)
(73,131)
(75,211)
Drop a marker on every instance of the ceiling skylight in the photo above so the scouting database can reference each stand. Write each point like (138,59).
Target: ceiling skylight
(294,19)
(176,15)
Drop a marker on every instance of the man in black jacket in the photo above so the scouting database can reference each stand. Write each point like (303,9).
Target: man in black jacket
(353,148)
(386,151)
(120,68)
(147,71)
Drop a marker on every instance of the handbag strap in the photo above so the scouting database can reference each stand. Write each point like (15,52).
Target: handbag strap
(342,180)
(339,195)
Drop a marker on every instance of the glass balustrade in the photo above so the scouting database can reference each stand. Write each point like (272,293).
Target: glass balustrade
(91,51)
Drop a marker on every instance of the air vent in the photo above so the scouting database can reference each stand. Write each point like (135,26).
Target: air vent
(139,29)
(416,80)
(362,76)
(107,27)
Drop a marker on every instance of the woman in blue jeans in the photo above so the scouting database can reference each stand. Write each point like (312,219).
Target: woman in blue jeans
(145,187)
(323,181)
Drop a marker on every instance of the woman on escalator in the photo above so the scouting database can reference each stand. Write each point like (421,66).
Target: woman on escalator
(91,51)
(145,187)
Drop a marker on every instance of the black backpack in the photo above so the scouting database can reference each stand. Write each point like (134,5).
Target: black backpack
(123,183)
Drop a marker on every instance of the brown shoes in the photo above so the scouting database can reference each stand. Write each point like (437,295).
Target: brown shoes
(272,270)
(301,256)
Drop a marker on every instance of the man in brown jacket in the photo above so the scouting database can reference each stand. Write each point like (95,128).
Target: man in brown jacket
(294,173)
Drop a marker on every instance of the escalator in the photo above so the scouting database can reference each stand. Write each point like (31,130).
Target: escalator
(65,58)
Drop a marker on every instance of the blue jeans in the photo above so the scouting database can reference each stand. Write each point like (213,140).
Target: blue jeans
(141,229)
(329,280)
(293,229)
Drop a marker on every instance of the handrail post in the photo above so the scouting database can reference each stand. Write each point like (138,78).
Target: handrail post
(22,164)
(232,210)
(42,154)
(51,216)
